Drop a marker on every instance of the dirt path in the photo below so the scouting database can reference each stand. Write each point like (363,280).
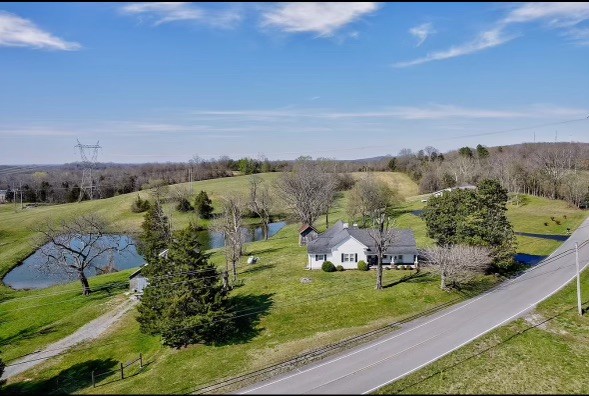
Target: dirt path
(87,332)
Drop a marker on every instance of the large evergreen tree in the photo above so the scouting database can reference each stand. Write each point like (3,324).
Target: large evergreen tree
(184,301)
(203,205)
(156,233)
(476,218)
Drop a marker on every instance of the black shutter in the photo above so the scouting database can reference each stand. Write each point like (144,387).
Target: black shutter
(342,257)
(356,257)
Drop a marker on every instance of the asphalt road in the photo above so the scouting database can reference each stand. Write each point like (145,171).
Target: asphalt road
(371,366)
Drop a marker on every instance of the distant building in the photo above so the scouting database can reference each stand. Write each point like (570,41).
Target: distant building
(138,281)
(3,196)
(463,187)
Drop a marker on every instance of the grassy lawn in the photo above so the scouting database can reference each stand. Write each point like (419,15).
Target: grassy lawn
(293,317)
(545,352)
(44,316)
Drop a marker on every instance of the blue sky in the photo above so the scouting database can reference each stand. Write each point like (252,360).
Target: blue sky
(167,81)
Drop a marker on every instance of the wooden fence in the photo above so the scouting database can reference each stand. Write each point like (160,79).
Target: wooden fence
(121,370)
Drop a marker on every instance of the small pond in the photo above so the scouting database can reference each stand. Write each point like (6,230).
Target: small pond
(34,273)
(214,239)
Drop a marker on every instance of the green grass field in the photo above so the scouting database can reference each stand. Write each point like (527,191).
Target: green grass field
(293,317)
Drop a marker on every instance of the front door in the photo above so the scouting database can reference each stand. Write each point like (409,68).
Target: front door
(372,260)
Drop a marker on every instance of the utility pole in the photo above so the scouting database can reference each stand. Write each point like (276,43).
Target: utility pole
(14,192)
(579,303)
(20,189)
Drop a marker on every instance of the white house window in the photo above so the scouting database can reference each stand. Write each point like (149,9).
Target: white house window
(319,257)
(351,257)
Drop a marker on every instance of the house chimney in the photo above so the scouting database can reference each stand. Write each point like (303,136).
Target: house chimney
(345,225)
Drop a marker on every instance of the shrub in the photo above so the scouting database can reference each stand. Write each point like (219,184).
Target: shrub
(139,205)
(203,205)
(340,267)
(328,266)
(184,205)
(362,266)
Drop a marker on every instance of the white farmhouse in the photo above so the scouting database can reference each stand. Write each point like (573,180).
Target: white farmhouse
(346,246)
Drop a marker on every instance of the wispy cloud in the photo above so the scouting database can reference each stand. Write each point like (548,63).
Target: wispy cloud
(164,12)
(556,14)
(427,112)
(488,39)
(34,131)
(19,32)
(161,12)
(312,17)
(422,32)
(565,16)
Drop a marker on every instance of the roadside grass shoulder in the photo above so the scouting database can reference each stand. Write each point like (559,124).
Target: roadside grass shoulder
(543,353)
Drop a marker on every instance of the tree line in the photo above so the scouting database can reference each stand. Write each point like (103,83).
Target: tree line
(551,170)
(54,184)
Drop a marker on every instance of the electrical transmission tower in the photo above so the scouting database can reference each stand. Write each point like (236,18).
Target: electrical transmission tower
(88,154)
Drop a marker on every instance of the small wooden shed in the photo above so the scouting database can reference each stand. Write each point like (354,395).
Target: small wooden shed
(307,233)
(137,281)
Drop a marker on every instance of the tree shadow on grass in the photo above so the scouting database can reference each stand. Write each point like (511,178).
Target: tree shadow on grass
(474,288)
(250,309)
(70,380)
(27,334)
(414,277)
(258,268)
(267,250)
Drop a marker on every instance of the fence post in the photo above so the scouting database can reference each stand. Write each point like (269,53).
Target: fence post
(93,381)
(122,372)
(140,360)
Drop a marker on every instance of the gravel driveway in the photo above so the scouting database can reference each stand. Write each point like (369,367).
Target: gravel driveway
(87,332)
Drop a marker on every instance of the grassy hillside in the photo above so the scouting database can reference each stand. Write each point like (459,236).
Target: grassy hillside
(16,229)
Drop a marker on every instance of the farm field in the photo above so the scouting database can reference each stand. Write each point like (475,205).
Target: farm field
(272,287)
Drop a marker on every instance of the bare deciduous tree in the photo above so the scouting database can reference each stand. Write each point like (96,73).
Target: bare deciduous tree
(457,263)
(260,202)
(369,197)
(306,190)
(384,236)
(230,224)
(76,246)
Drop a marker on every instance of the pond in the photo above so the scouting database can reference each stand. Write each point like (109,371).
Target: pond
(214,239)
(35,273)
